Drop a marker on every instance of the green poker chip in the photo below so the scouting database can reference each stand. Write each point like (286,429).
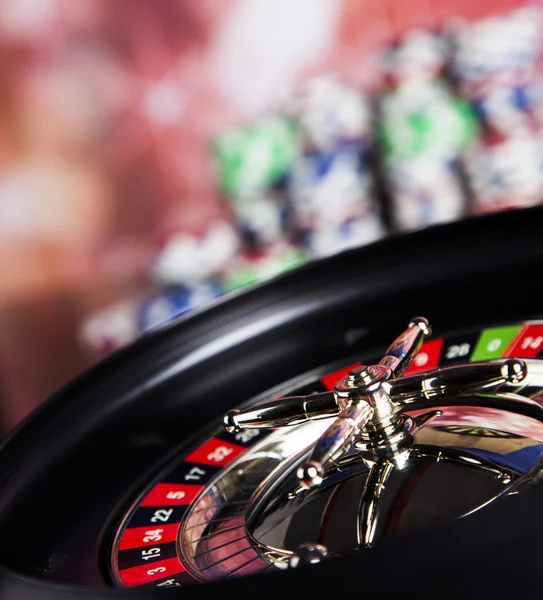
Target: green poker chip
(255,156)
(437,124)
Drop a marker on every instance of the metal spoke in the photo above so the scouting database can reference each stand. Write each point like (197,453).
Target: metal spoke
(226,558)
(213,521)
(215,534)
(216,504)
(200,554)
(368,513)
(232,571)
(464,457)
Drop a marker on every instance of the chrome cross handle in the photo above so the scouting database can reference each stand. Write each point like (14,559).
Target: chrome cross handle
(368,403)
(404,348)
(294,410)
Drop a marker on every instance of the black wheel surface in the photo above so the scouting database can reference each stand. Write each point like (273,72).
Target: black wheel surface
(70,472)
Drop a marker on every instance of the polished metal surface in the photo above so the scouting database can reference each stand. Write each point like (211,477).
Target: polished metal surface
(214,541)
(368,404)
(394,453)
(335,442)
(307,554)
(401,353)
(368,513)
(459,380)
(461,459)
(289,411)
(449,381)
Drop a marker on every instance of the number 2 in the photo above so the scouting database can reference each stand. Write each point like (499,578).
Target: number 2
(219,453)
(161,515)
(457,350)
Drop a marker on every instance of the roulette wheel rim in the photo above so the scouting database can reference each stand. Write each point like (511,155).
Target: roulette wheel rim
(327,309)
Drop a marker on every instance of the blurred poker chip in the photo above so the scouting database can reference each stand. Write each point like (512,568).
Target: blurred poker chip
(187,273)
(173,302)
(329,112)
(507,172)
(427,190)
(119,324)
(496,63)
(424,118)
(262,217)
(254,267)
(350,233)
(334,205)
(420,55)
(110,328)
(188,259)
(255,156)
(487,48)
(423,133)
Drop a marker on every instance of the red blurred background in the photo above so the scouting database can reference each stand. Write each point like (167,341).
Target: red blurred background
(106,114)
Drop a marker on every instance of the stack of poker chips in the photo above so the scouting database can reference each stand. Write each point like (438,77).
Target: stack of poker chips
(195,258)
(119,324)
(187,273)
(253,162)
(331,188)
(300,183)
(424,130)
(497,66)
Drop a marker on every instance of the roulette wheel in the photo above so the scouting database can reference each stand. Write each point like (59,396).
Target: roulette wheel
(378,413)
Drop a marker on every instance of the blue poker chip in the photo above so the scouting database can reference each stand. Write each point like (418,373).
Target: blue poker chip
(506,105)
(313,168)
(174,302)
(261,217)
(328,112)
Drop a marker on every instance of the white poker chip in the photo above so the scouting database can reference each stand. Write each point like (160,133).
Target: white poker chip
(111,328)
(188,259)
(502,43)
(507,174)
(259,214)
(426,192)
(328,111)
(421,55)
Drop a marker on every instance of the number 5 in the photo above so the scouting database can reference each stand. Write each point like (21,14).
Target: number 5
(175,495)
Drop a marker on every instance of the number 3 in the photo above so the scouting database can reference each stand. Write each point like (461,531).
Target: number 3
(219,453)
(153,535)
